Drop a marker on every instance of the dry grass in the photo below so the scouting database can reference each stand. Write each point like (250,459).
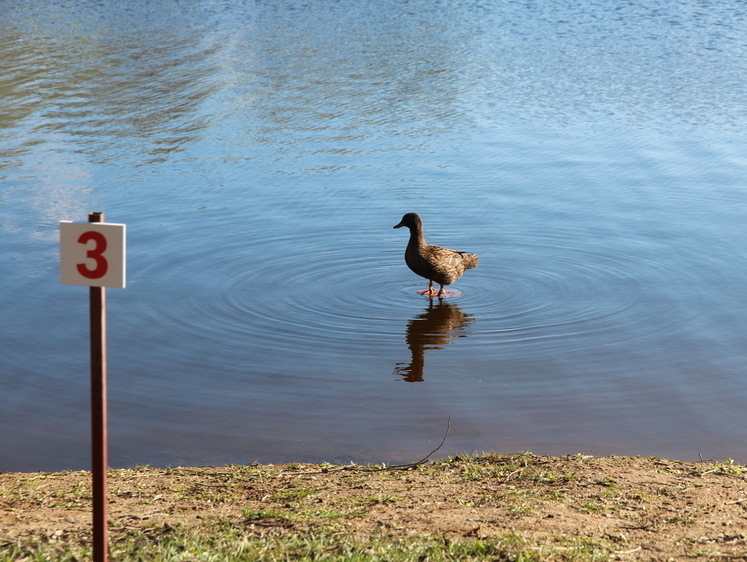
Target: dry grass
(491,507)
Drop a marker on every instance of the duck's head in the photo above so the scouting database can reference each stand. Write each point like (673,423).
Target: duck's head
(410,220)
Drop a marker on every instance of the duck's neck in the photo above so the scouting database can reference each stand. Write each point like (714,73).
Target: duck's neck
(417,238)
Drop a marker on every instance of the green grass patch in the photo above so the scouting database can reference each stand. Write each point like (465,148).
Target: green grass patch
(226,544)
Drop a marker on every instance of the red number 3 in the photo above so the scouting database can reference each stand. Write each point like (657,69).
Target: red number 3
(96,254)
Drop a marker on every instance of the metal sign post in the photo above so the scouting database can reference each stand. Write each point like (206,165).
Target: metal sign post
(96,265)
(99,435)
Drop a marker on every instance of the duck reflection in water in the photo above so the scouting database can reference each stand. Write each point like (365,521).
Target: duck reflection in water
(431,329)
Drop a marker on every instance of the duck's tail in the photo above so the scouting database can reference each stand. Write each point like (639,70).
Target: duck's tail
(470,260)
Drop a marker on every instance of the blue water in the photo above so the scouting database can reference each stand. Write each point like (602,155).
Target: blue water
(593,155)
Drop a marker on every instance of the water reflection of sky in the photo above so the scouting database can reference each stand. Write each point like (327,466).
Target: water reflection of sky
(591,154)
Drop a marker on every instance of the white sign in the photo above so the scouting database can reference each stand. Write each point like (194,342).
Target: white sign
(92,254)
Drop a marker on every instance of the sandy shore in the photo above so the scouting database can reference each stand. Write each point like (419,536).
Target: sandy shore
(620,507)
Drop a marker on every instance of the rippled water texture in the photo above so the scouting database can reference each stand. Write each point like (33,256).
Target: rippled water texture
(592,155)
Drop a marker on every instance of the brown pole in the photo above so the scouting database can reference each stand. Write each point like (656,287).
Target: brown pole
(99,447)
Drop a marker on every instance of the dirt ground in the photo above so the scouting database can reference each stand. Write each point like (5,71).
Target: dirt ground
(633,508)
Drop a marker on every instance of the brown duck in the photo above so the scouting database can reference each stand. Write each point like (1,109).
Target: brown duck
(435,263)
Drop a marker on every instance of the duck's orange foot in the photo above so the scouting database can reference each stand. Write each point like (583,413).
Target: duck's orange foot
(430,292)
(442,295)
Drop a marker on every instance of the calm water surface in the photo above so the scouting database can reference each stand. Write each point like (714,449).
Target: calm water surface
(594,155)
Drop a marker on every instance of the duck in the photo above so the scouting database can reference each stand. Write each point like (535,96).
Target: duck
(435,263)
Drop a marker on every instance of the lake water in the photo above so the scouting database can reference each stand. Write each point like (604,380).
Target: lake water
(593,154)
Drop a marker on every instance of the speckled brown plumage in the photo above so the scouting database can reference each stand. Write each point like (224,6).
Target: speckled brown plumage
(435,263)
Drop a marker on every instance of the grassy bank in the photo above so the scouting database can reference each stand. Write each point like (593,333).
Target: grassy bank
(490,507)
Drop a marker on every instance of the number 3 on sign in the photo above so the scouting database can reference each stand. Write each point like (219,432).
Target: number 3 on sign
(92,254)
(96,254)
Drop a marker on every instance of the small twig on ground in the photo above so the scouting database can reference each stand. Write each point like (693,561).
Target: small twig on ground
(740,500)
(517,471)
(418,463)
(408,466)
(631,551)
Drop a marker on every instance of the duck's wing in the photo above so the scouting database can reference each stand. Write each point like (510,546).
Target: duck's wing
(453,258)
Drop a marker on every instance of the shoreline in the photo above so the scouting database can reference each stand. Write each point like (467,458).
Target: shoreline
(520,505)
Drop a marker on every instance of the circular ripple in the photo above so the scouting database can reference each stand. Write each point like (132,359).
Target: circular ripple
(292,294)
(552,292)
(285,294)
(312,294)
